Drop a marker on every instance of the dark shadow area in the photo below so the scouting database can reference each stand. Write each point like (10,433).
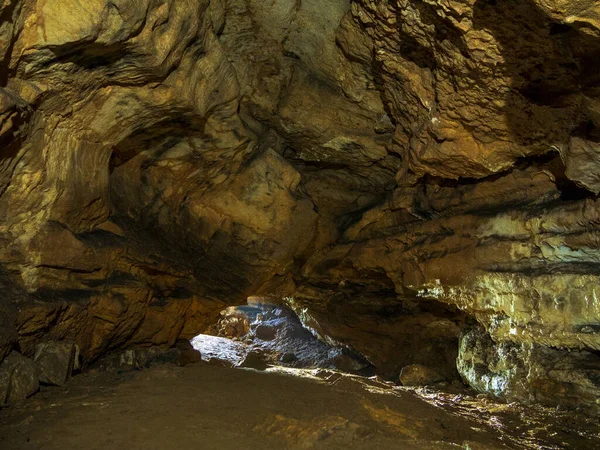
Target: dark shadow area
(551,65)
(443,28)
(6,16)
(155,140)
(90,56)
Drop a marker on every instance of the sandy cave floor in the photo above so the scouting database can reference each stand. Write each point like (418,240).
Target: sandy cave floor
(207,407)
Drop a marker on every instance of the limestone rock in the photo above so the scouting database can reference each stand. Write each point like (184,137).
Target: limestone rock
(279,336)
(220,351)
(287,357)
(139,358)
(134,99)
(396,166)
(419,375)
(265,332)
(8,329)
(187,353)
(55,362)
(529,373)
(388,333)
(232,325)
(255,359)
(348,363)
(18,379)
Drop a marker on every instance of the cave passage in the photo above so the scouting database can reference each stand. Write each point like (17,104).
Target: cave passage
(302,224)
(262,334)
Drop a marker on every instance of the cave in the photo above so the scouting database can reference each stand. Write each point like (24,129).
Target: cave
(299,224)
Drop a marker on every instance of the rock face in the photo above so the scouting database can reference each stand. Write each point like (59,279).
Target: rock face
(419,375)
(395,167)
(133,198)
(55,362)
(275,337)
(140,358)
(254,360)
(529,373)
(18,379)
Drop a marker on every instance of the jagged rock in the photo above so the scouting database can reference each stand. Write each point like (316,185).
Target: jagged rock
(187,353)
(408,332)
(288,357)
(220,351)
(373,159)
(265,332)
(138,358)
(18,379)
(419,375)
(151,89)
(529,373)
(55,362)
(255,359)
(279,335)
(233,324)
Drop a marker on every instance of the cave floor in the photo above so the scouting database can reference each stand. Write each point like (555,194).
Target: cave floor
(206,407)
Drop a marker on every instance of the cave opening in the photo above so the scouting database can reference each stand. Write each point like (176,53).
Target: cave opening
(265,334)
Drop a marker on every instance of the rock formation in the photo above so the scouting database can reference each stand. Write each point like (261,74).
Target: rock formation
(400,170)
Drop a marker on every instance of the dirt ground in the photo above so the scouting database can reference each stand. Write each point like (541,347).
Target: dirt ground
(206,407)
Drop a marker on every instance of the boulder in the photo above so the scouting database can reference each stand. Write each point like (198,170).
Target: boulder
(220,351)
(18,379)
(55,362)
(348,363)
(187,353)
(254,360)
(419,375)
(265,332)
(529,373)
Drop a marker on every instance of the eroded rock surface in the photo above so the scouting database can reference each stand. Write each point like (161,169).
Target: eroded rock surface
(18,379)
(419,375)
(55,362)
(396,167)
(135,201)
(273,336)
(529,373)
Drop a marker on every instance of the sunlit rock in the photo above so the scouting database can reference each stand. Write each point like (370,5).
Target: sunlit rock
(529,373)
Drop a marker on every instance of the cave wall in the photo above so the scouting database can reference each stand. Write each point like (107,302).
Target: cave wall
(420,176)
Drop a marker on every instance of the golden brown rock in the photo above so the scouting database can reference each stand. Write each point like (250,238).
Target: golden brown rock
(395,166)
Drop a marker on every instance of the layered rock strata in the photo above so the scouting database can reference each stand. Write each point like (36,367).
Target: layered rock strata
(398,167)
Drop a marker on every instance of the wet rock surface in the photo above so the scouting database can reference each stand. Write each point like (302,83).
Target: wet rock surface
(530,373)
(213,407)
